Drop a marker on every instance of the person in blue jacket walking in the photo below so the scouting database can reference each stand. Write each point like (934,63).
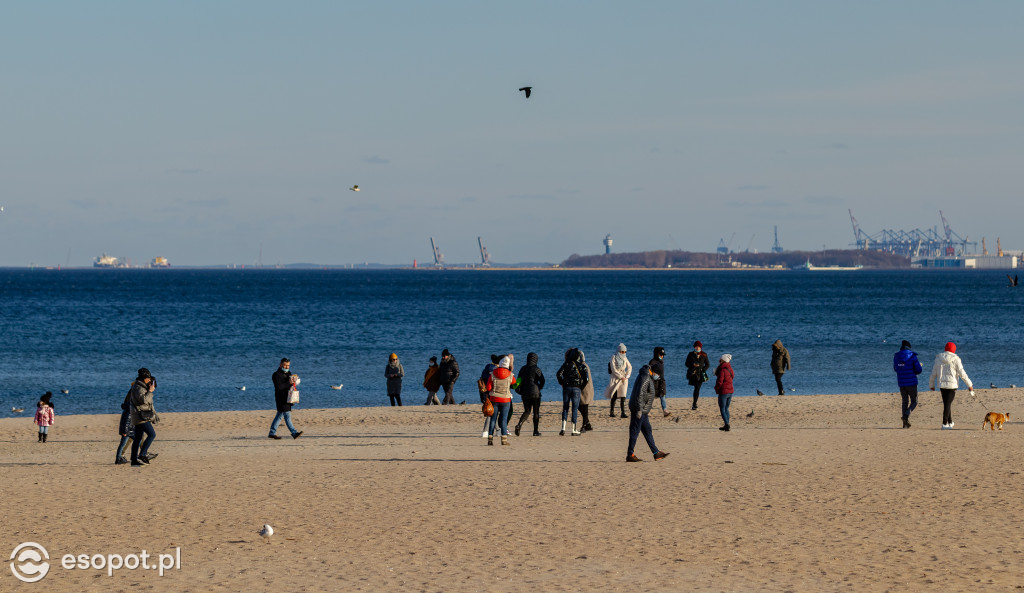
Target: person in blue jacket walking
(907,369)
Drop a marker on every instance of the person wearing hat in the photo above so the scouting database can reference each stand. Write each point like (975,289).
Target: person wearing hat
(640,402)
(499,390)
(282,379)
(723,387)
(448,374)
(432,382)
(394,373)
(907,369)
(697,365)
(620,369)
(657,365)
(143,417)
(948,370)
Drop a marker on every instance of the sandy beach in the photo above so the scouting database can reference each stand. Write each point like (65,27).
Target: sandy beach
(810,493)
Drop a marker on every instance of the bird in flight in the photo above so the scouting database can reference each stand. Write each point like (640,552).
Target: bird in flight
(336,387)
(242,388)
(526,89)
(354,188)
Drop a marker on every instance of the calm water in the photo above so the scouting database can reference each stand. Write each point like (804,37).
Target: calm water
(203,333)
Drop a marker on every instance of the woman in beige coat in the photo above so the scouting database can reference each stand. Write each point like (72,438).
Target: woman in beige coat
(620,370)
(586,396)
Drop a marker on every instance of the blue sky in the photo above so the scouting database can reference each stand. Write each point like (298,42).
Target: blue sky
(200,131)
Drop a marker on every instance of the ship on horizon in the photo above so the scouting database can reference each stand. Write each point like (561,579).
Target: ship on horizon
(106,261)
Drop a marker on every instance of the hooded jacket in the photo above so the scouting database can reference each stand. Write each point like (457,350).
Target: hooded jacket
(642,397)
(531,379)
(948,370)
(619,380)
(499,385)
(725,375)
(573,373)
(394,372)
(780,358)
(448,371)
(907,367)
(44,414)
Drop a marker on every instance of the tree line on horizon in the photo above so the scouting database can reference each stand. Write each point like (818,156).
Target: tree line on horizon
(787,259)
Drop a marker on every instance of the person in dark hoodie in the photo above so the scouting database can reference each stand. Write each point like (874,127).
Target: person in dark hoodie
(572,376)
(448,374)
(657,365)
(780,363)
(697,365)
(907,369)
(640,402)
(125,428)
(529,386)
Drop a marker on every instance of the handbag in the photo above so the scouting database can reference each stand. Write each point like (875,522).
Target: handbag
(488,408)
(293,396)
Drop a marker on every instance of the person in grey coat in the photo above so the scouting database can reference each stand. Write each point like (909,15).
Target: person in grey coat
(640,401)
(143,416)
(394,372)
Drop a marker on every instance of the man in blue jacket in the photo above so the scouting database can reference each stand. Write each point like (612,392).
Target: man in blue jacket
(907,369)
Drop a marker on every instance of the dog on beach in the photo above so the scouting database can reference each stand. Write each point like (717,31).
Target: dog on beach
(995,418)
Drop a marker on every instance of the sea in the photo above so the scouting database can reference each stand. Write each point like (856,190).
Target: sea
(205,334)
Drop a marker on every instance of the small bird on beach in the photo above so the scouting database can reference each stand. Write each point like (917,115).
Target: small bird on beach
(338,386)
(462,403)
(526,89)
(1012,386)
(992,385)
(265,533)
(17,410)
(751,414)
(242,388)
(792,388)
(64,391)
(354,188)
(759,392)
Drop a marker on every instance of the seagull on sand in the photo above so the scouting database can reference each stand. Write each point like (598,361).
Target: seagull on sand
(17,410)
(354,188)
(265,533)
(759,392)
(338,386)
(242,388)
(526,89)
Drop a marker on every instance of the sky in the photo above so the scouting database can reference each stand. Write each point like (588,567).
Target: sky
(211,132)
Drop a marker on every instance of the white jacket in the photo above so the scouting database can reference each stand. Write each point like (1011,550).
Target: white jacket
(949,370)
(619,380)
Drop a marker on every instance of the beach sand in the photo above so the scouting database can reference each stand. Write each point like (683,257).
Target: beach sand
(812,493)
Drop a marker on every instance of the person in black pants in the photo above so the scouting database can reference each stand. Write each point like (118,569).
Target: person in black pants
(697,364)
(448,373)
(780,364)
(531,382)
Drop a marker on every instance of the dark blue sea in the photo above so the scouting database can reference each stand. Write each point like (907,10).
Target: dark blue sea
(204,333)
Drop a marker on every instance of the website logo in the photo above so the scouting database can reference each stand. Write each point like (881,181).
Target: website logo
(30,562)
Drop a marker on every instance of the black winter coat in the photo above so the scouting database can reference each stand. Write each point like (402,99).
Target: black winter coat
(282,383)
(531,379)
(696,365)
(658,366)
(448,371)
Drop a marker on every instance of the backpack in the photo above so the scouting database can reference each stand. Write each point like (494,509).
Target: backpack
(572,375)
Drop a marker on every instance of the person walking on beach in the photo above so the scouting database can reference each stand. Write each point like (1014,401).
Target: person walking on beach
(432,382)
(640,402)
(586,396)
(499,387)
(44,416)
(394,373)
(948,370)
(143,417)
(780,363)
(125,429)
(448,373)
(697,365)
(282,379)
(572,376)
(482,386)
(529,386)
(723,387)
(620,370)
(657,364)
(907,369)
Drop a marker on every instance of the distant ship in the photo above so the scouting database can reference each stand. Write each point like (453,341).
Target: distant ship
(106,261)
(810,267)
(160,262)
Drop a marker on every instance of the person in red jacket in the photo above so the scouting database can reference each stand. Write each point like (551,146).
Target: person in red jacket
(723,387)
(499,386)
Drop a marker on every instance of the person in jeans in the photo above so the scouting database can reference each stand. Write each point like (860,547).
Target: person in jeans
(907,369)
(282,379)
(499,387)
(530,384)
(572,376)
(143,417)
(723,387)
(485,392)
(394,373)
(948,370)
(640,401)
(657,364)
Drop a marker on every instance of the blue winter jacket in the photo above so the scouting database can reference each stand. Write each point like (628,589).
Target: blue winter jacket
(907,367)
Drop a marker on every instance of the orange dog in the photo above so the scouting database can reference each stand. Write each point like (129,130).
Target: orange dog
(994,418)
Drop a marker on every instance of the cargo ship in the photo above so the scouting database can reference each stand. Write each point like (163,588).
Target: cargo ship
(160,262)
(106,261)
(813,268)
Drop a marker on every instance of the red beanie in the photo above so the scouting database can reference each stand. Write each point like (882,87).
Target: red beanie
(697,344)
(950,347)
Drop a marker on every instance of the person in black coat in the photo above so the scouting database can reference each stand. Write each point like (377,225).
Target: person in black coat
(448,372)
(697,365)
(657,364)
(282,379)
(125,429)
(531,382)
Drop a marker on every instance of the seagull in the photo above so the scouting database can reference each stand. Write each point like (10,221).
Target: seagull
(759,392)
(354,188)
(338,386)
(792,388)
(64,391)
(526,89)
(462,403)
(17,410)
(266,532)
(992,385)
(242,388)
(1012,386)
(751,414)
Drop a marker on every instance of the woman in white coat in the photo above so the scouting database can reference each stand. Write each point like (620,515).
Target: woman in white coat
(948,370)
(620,370)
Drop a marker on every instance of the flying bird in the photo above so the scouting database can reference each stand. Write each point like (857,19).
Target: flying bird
(751,414)
(759,392)
(242,388)
(338,386)
(265,533)
(17,410)
(354,188)
(526,89)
